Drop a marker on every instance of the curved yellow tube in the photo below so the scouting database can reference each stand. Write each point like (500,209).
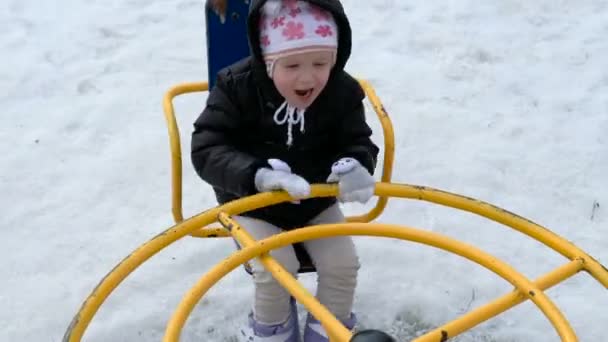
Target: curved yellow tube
(500,305)
(84,316)
(389,152)
(496,214)
(174,143)
(176,154)
(472,253)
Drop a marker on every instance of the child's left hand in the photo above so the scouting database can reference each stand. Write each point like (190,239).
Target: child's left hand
(354,181)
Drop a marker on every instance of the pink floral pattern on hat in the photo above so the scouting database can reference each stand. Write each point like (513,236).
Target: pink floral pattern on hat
(294,12)
(296,26)
(324,31)
(294,30)
(265,40)
(278,21)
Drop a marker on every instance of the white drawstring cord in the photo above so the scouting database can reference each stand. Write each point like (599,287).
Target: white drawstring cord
(289,118)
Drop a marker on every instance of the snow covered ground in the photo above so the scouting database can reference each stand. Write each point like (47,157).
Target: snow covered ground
(503,101)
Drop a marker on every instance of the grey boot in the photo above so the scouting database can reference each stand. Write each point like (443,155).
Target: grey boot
(314,331)
(284,332)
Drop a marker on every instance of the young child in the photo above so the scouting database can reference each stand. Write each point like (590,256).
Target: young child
(286,117)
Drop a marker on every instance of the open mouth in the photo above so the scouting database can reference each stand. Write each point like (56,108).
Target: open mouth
(304,93)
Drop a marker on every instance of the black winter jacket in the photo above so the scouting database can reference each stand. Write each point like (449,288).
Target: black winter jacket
(235,135)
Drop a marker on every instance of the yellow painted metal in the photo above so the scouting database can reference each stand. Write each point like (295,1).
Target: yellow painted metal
(334,328)
(210,232)
(91,305)
(389,152)
(500,305)
(174,143)
(525,226)
(176,157)
(472,253)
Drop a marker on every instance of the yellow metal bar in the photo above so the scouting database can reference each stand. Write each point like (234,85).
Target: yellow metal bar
(472,253)
(334,328)
(533,230)
(176,154)
(210,232)
(597,270)
(89,308)
(84,316)
(389,152)
(500,305)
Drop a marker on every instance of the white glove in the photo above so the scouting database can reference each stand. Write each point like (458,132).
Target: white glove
(354,181)
(281,178)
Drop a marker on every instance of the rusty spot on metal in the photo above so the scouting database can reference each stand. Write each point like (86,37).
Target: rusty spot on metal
(383,110)
(444,336)
(532,294)
(225,222)
(219,7)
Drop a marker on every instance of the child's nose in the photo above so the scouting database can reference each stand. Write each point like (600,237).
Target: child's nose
(307,77)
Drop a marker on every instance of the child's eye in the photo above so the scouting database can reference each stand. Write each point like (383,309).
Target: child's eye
(320,64)
(292,66)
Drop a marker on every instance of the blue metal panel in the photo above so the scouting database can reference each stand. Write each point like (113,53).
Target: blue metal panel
(226,41)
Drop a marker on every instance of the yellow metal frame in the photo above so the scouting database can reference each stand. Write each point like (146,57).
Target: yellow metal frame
(525,289)
(198,226)
(176,154)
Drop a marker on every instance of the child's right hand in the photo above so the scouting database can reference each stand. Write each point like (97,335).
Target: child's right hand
(280,177)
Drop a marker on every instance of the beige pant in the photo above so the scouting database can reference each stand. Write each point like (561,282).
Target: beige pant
(335,259)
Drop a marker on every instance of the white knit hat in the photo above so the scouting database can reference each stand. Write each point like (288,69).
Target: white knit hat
(292,26)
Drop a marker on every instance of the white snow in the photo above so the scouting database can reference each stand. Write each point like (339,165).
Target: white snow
(502,101)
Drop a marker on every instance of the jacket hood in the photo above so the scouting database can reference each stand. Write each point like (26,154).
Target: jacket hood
(332,6)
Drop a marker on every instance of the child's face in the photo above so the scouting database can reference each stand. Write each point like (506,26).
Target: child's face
(300,78)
